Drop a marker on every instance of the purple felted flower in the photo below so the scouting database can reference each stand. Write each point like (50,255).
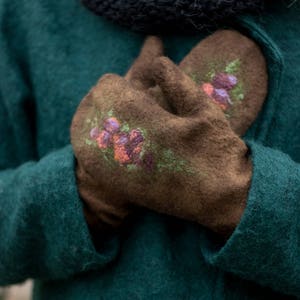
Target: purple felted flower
(135,137)
(94,133)
(121,138)
(221,96)
(135,145)
(111,125)
(224,81)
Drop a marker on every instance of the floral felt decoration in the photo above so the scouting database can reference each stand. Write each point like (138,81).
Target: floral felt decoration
(224,88)
(131,147)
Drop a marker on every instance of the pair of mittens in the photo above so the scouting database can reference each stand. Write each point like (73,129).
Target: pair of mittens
(229,68)
(164,137)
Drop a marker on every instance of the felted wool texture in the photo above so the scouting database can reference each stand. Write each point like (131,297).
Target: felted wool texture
(229,53)
(158,16)
(198,136)
(223,55)
(101,216)
(139,73)
(44,214)
(42,83)
(253,229)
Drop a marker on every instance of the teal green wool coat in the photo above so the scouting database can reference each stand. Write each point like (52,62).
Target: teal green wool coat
(51,53)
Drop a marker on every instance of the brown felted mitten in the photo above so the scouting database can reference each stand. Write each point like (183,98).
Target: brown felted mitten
(231,69)
(132,152)
(140,75)
(98,212)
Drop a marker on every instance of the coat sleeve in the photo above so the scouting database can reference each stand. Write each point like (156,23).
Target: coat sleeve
(43,233)
(265,246)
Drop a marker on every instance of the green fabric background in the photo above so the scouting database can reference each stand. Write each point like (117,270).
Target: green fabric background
(51,53)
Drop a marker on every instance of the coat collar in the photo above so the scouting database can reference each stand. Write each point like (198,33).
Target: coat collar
(157,16)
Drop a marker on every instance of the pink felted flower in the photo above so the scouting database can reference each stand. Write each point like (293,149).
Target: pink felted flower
(120,152)
(208,89)
(104,139)
(94,133)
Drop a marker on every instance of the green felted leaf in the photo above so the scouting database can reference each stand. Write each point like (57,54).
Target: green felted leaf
(233,67)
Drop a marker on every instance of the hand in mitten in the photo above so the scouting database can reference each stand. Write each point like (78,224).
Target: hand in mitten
(231,70)
(228,66)
(140,74)
(101,213)
(132,152)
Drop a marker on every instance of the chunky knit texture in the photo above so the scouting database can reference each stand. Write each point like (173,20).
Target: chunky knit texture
(169,15)
(49,60)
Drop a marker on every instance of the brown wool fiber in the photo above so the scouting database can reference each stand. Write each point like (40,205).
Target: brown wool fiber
(225,46)
(208,172)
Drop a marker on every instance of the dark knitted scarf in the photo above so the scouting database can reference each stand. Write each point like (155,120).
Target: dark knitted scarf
(154,16)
